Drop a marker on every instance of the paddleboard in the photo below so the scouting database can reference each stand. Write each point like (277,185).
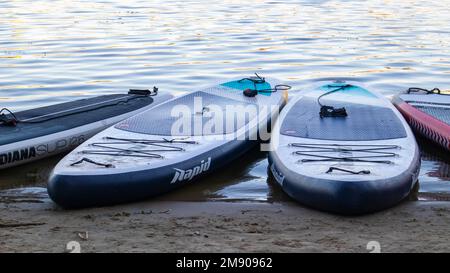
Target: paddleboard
(343,149)
(174,144)
(427,112)
(34,134)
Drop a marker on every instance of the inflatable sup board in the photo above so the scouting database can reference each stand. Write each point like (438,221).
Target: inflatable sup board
(341,148)
(427,112)
(37,133)
(172,145)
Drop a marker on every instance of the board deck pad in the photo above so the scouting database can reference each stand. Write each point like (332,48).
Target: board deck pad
(161,120)
(362,123)
(91,114)
(246,84)
(440,113)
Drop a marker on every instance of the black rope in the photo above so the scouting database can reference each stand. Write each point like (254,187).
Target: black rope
(204,109)
(85,159)
(375,151)
(342,148)
(137,94)
(258,80)
(5,120)
(331,169)
(151,141)
(144,92)
(107,149)
(330,111)
(279,87)
(344,159)
(255,80)
(418,89)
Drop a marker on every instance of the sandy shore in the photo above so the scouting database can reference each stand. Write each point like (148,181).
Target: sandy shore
(30,222)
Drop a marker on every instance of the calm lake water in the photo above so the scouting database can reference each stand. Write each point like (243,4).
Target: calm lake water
(55,51)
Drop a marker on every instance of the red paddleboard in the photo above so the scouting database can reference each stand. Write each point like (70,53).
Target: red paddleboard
(427,112)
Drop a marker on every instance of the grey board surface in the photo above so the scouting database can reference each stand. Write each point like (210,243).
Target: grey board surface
(363,122)
(65,116)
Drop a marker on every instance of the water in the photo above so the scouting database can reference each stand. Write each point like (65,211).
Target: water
(55,51)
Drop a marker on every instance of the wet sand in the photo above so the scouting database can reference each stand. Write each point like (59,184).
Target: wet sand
(30,222)
(239,211)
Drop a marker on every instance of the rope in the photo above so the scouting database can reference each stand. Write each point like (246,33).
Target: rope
(374,151)
(85,159)
(5,120)
(259,80)
(331,169)
(255,80)
(330,111)
(144,92)
(159,146)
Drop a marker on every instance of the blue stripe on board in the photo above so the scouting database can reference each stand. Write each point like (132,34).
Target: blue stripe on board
(246,84)
(353,90)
